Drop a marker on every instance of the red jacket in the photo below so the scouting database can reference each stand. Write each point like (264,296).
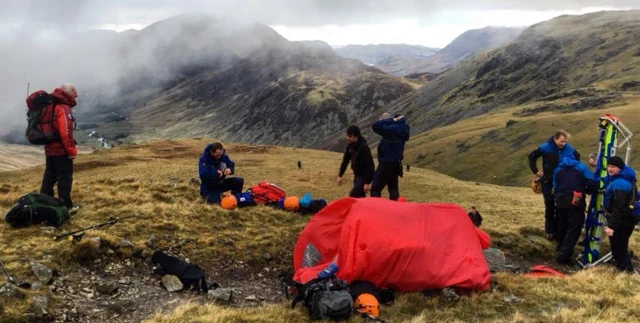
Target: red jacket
(63,124)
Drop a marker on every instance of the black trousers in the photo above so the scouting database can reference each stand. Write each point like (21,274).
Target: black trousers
(569,226)
(620,246)
(549,208)
(358,188)
(58,170)
(386,175)
(212,193)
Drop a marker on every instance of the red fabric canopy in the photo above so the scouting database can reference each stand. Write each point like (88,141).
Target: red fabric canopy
(403,246)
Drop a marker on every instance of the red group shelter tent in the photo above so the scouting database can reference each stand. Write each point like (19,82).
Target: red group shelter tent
(407,247)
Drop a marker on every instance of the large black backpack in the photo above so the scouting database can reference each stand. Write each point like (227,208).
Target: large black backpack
(325,298)
(35,208)
(189,274)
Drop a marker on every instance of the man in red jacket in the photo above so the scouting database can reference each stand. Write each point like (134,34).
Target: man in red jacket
(60,155)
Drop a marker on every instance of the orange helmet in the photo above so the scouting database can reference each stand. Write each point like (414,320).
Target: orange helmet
(367,303)
(292,203)
(229,202)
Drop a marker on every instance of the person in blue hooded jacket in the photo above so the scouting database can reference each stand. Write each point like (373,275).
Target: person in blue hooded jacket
(571,181)
(552,152)
(395,133)
(618,195)
(214,166)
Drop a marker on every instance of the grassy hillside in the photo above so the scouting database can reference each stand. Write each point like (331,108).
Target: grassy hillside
(153,180)
(493,148)
(19,156)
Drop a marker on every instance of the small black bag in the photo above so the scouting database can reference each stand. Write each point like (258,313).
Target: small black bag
(189,274)
(34,208)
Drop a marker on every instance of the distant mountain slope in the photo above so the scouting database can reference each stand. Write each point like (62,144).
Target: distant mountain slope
(373,54)
(235,83)
(468,44)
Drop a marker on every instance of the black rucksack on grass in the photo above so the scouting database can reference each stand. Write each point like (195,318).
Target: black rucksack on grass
(189,274)
(35,208)
(325,298)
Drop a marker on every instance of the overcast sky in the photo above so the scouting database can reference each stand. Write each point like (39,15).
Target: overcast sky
(339,22)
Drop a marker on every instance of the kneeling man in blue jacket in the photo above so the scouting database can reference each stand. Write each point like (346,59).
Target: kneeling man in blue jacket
(214,166)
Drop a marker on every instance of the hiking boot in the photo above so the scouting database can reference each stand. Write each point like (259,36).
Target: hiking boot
(74,210)
(563,260)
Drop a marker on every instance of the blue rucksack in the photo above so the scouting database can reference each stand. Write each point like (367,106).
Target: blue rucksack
(245,199)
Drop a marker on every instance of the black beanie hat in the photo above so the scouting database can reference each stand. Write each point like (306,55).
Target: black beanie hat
(616,161)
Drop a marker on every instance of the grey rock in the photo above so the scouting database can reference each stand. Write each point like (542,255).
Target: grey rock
(495,259)
(10,291)
(172,283)
(251,298)
(267,256)
(146,253)
(125,244)
(48,229)
(44,273)
(40,305)
(220,295)
(449,295)
(511,299)
(36,286)
(107,288)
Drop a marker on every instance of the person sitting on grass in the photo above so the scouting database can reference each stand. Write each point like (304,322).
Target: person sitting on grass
(214,166)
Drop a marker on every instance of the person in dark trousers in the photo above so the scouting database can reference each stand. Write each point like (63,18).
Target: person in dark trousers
(552,152)
(618,195)
(60,155)
(214,166)
(395,133)
(299,164)
(359,155)
(571,181)
(475,217)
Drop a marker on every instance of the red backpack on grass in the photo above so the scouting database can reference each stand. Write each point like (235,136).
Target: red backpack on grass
(267,193)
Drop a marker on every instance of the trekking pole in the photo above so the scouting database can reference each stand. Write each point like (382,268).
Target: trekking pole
(12,280)
(95,226)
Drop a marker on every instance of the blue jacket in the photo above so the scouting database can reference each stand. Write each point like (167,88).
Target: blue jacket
(551,155)
(569,177)
(394,135)
(208,168)
(618,196)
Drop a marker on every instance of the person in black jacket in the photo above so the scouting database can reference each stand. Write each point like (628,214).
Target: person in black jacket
(552,153)
(475,217)
(618,195)
(571,181)
(359,155)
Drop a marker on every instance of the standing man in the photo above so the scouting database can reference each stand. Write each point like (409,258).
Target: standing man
(618,195)
(359,155)
(394,132)
(571,181)
(552,152)
(214,166)
(60,155)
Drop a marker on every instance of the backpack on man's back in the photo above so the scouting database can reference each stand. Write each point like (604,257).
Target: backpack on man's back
(40,119)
